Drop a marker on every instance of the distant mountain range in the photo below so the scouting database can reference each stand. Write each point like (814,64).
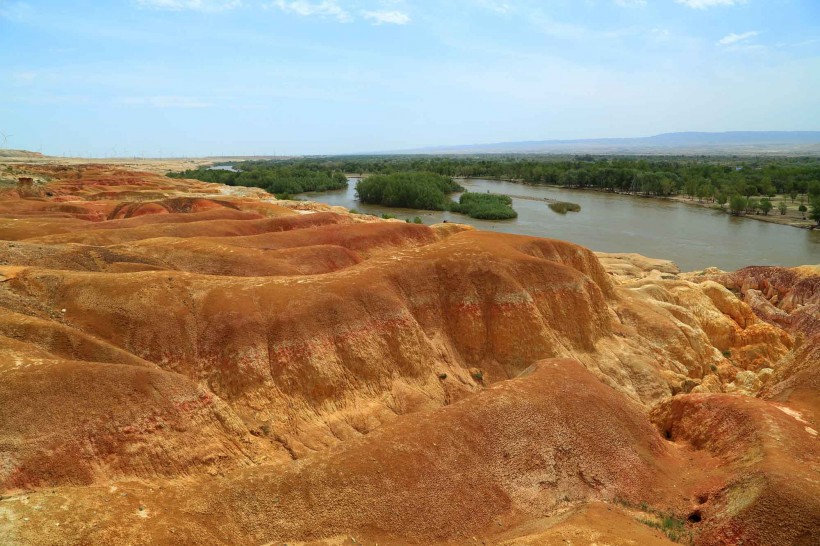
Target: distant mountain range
(688,143)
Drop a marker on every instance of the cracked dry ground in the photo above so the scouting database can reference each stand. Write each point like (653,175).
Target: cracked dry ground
(185,363)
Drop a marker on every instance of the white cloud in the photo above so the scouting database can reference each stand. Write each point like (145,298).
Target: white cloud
(16,11)
(704,4)
(386,17)
(325,8)
(163,101)
(25,76)
(498,7)
(192,5)
(733,38)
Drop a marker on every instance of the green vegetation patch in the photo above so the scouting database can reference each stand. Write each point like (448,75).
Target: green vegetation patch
(409,190)
(562,207)
(485,206)
(429,191)
(674,528)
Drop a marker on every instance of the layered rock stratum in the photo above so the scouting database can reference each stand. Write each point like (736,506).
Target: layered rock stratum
(187,363)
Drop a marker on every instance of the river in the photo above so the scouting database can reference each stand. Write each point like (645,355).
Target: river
(693,237)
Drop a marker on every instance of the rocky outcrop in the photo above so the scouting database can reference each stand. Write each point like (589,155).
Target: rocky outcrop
(768,455)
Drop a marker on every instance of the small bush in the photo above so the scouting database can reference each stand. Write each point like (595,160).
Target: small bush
(562,207)
(674,528)
(478,375)
(417,220)
(442,376)
(386,216)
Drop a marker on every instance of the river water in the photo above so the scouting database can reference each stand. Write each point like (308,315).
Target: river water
(693,237)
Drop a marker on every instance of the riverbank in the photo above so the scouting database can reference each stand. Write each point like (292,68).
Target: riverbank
(792,217)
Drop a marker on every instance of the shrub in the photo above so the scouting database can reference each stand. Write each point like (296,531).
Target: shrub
(674,528)
(562,207)
(737,204)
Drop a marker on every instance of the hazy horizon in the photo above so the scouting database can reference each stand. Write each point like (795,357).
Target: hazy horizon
(292,77)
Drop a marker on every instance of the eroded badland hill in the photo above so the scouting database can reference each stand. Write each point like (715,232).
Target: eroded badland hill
(186,363)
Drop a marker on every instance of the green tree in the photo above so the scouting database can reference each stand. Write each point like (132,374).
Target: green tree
(815,210)
(766,205)
(782,207)
(705,191)
(802,208)
(768,188)
(722,199)
(690,187)
(737,204)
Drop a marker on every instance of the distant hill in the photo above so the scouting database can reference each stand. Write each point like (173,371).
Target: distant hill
(19,153)
(689,143)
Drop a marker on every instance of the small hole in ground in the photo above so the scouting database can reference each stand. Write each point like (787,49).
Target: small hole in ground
(667,434)
(694,517)
(702,498)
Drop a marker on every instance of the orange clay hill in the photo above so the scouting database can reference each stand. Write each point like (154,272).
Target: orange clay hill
(187,363)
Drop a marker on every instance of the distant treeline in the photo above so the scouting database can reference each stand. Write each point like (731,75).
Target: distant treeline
(703,177)
(715,179)
(429,191)
(281,179)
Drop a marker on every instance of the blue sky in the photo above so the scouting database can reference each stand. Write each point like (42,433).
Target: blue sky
(197,77)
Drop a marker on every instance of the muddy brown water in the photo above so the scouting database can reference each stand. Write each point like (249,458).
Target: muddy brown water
(693,237)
